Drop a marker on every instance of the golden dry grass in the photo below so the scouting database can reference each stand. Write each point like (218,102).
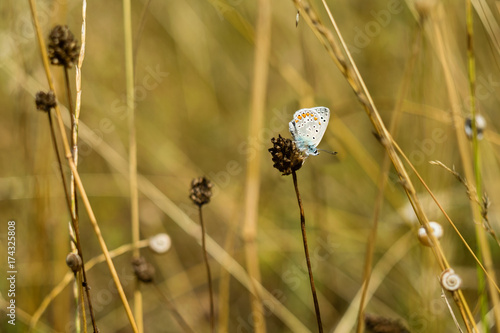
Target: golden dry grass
(194,71)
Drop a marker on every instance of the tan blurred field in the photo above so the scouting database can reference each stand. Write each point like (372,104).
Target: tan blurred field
(195,92)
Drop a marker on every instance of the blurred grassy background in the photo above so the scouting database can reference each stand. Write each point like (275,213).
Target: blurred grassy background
(194,69)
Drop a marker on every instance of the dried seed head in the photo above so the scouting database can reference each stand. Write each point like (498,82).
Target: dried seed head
(201,191)
(63,47)
(285,155)
(480,126)
(45,100)
(74,262)
(160,243)
(143,269)
(377,324)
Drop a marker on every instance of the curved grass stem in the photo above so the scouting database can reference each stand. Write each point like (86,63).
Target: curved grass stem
(306,250)
(209,275)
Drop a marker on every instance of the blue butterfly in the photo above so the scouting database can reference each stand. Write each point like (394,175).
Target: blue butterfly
(308,127)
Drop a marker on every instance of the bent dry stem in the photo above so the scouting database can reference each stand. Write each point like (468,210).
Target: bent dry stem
(306,250)
(209,275)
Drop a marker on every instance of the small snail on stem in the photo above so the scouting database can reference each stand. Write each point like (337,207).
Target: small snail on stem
(437,230)
(450,280)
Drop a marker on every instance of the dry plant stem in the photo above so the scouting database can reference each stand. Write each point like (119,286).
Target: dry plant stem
(370,247)
(476,153)
(224,287)
(170,305)
(351,73)
(466,309)
(134,196)
(455,103)
(78,278)
(138,34)
(72,166)
(74,222)
(209,275)
(153,193)
(306,251)
(252,182)
(448,219)
(69,276)
(74,199)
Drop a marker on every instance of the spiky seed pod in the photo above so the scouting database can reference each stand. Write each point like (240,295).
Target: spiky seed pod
(450,280)
(201,191)
(45,100)
(63,47)
(74,262)
(143,270)
(285,155)
(437,230)
(160,243)
(378,324)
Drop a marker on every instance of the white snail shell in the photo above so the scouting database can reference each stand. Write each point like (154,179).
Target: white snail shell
(437,230)
(480,126)
(160,243)
(450,280)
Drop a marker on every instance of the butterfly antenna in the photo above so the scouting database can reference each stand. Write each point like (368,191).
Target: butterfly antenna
(329,152)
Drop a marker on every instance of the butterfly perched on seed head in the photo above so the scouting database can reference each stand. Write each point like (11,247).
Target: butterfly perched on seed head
(308,127)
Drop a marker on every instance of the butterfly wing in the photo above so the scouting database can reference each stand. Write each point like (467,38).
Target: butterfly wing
(308,127)
(324,118)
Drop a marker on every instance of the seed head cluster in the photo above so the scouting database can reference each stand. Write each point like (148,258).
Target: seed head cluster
(285,155)
(45,100)
(63,47)
(201,191)
(143,270)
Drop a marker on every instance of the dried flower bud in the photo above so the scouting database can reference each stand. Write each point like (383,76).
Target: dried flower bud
(377,324)
(143,270)
(45,100)
(285,155)
(200,191)
(74,262)
(63,47)
(160,243)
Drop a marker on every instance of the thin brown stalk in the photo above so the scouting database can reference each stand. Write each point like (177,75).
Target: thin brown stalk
(74,222)
(209,275)
(69,158)
(74,199)
(306,251)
